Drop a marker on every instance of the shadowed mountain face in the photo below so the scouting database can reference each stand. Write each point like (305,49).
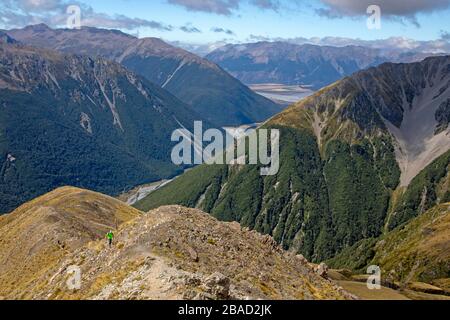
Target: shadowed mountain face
(71,119)
(169,253)
(212,92)
(343,152)
(4,38)
(291,64)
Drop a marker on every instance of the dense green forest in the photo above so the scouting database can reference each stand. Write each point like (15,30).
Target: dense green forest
(53,136)
(314,205)
(338,184)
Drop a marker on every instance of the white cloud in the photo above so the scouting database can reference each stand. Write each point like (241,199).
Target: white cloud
(19,13)
(393,9)
(223,7)
(200,49)
(222,30)
(440,45)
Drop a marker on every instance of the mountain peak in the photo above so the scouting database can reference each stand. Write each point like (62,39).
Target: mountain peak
(40,27)
(409,101)
(5,38)
(196,81)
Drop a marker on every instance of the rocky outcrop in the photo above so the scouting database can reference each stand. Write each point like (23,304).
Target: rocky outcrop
(217,285)
(322,270)
(151,257)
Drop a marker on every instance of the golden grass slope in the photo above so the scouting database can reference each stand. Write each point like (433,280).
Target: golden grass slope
(170,253)
(173,252)
(419,251)
(36,236)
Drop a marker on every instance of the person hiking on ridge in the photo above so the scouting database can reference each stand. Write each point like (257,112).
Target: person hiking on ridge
(110,237)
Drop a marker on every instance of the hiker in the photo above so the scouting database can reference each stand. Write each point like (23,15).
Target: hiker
(110,237)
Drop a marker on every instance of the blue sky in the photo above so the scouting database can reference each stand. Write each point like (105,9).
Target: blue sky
(289,21)
(406,24)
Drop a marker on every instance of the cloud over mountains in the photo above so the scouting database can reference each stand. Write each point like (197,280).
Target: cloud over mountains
(441,45)
(397,10)
(19,13)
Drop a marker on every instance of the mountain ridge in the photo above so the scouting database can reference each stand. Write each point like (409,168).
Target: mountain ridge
(295,64)
(339,164)
(203,85)
(411,117)
(64,113)
(37,235)
(170,253)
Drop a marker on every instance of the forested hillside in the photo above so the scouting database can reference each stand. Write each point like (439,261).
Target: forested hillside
(345,154)
(75,120)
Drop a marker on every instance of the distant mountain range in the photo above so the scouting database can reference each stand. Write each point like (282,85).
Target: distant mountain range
(210,91)
(76,120)
(357,159)
(292,64)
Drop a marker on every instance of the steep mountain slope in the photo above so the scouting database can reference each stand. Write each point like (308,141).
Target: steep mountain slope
(169,253)
(429,188)
(343,152)
(409,101)
(4,38)
(211,91)
(417,251)
(287,63)
(82,121)
(36,236)
(420,251)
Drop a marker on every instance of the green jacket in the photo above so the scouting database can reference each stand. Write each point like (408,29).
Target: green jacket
(110,235)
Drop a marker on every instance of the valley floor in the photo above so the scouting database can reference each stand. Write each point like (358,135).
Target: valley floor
(357,286)
(360,290)
(280,93)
